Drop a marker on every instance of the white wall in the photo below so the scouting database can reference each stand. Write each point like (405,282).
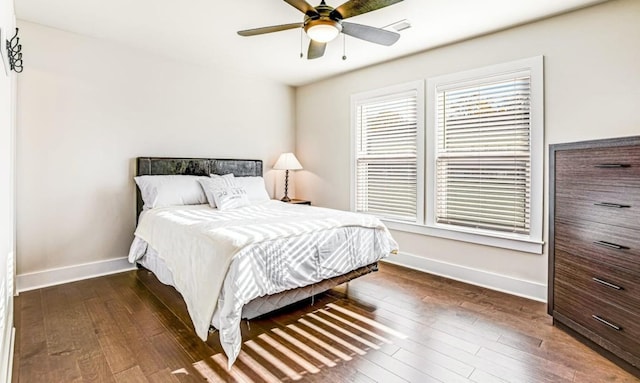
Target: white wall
(592,90)
(7,232)
(87,108)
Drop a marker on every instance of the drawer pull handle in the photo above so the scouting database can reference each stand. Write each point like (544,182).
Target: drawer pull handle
(608,284)
(609,204)
(610,245)
(604,321)
(609,166)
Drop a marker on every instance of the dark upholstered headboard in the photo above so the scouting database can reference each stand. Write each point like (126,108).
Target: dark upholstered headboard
(193,166)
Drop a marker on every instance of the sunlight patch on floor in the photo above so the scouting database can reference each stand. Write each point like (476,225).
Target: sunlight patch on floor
(317,340)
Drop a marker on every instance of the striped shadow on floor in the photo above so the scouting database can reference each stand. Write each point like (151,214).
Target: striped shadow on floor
(316,341)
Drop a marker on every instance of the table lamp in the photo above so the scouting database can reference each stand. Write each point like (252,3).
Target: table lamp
(287,161)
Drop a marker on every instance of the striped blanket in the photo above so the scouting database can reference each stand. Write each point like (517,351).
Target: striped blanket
(221,260)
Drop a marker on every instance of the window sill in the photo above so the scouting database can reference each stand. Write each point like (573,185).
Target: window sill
(505,242)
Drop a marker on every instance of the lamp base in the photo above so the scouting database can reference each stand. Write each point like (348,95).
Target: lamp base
(286,187)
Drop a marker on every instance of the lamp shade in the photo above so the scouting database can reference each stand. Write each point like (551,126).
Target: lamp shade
(287,161)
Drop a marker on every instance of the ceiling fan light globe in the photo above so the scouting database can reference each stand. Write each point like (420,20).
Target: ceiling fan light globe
(323,31)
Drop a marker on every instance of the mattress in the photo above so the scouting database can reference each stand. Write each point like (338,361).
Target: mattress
(266,303)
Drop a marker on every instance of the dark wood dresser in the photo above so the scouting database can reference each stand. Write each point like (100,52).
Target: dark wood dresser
(594,243)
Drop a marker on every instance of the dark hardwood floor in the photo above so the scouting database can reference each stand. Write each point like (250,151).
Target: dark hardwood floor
(397,325)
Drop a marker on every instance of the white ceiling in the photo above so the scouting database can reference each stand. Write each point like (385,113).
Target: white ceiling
(204,32)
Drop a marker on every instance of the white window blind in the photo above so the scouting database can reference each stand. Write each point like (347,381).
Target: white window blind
(483,155)
(386,134)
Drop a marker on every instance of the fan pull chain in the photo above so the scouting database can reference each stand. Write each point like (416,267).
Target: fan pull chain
(344,46)
(301,44)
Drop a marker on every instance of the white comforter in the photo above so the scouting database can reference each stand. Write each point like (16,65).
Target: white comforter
(253,247)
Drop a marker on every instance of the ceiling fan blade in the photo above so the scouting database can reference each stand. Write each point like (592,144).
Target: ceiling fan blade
(316,50)
(357,7)
(273,28)
(303,7)
(371,34)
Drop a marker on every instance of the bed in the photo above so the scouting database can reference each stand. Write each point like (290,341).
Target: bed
(246,262)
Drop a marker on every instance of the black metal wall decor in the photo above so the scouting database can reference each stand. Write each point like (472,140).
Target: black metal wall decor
(14,53)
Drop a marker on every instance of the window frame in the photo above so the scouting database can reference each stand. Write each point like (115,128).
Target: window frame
(534,68)
(377,94)
(426,150)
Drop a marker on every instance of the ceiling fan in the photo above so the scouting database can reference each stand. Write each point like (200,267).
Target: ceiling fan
(324,23)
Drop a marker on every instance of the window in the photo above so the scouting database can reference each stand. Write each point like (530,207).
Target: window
(482,147)
(485,130)
(483,157)
(388,151)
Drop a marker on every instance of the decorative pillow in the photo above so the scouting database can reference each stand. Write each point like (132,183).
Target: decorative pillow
(170,190)
(256,190)
(210,184)
(227,179)
(231,197)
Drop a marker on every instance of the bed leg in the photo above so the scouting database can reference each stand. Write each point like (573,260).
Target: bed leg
(313,297)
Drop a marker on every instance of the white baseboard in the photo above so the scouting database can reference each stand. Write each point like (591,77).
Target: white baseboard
(52,277)
(527,289)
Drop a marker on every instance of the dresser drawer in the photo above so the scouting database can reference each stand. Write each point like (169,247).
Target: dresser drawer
(619,166)
(619,326)
(615,246)
(619,206)
(620,287)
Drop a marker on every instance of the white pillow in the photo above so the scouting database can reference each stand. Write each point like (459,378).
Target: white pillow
(256,190)
(170,190)
(210,184)
(231,197)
